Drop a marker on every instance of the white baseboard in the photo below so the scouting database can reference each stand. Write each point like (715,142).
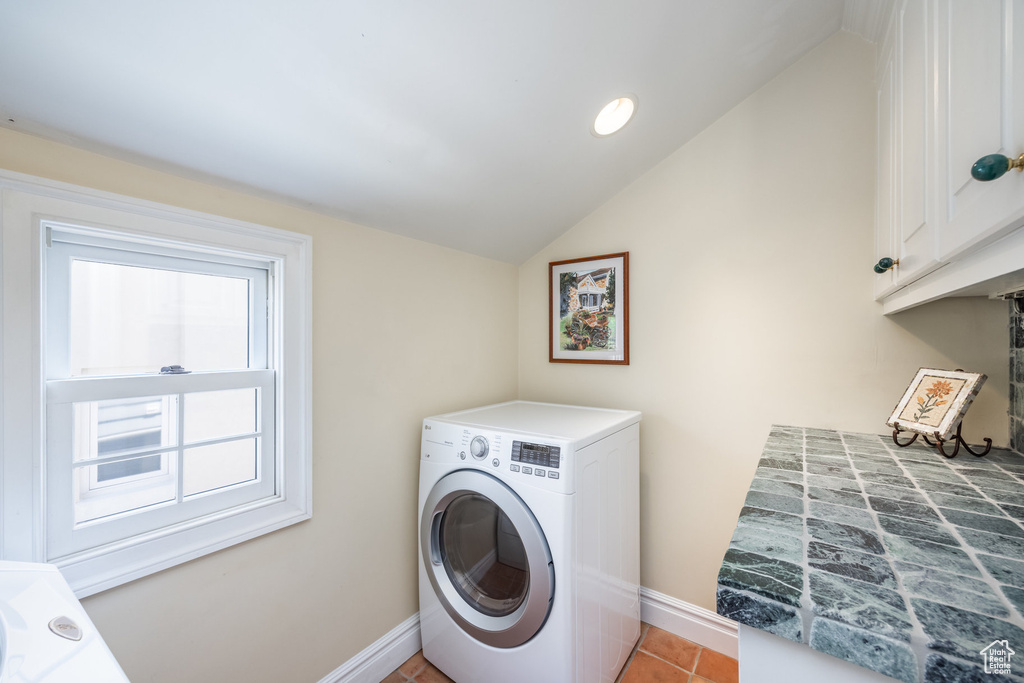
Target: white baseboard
(373,664)
(702,626)
(694,623)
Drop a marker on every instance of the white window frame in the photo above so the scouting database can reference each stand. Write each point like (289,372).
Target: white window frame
(28,206)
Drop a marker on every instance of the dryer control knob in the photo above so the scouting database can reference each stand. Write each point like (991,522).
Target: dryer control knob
(479,447)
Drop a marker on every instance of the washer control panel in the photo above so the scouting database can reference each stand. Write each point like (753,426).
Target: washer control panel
(538,460)
(501,453)
(536,454)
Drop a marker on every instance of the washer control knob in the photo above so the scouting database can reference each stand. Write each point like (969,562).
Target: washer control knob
(479,447)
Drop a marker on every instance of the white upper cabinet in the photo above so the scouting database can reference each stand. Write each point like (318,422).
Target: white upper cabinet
(950,91)
(885,203)
(916,123)
(905,227)
(981,111)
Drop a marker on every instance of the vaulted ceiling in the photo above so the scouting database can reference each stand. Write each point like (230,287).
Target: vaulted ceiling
(463,123)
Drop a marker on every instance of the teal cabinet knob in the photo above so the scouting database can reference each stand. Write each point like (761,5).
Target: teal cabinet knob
(885,263)
(992,166)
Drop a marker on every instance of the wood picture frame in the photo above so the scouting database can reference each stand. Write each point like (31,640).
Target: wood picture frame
(588,310)
(936,401)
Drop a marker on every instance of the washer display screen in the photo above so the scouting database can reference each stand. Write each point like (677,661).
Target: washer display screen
(536,454)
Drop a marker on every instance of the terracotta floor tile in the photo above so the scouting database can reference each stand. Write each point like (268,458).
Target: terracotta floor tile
(717,668)
(413,665)
(670,647)
(432,675)
(647,669)
(659,657)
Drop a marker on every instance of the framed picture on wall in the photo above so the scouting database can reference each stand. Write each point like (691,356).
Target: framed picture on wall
(936,401)
(588,320)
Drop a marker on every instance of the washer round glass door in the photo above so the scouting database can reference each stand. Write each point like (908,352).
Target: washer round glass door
(487,558)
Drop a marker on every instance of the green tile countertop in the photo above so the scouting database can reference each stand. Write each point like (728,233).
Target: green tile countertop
(896,559)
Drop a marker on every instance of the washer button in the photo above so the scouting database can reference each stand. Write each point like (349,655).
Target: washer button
(495,462)
(552,474)
(527,470)
(539,472)
(513,468)
(462,455)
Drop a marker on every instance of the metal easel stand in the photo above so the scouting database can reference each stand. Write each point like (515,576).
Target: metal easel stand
(939,443)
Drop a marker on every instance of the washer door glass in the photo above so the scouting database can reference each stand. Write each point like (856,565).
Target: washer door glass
(487,558)
(484,556)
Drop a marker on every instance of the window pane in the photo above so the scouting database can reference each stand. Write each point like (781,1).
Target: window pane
(218,414)
(124,425)
(113,471)
(133,320)
(223,464)
(123,486)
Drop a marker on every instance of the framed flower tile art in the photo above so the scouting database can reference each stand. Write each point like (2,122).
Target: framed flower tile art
(936,401)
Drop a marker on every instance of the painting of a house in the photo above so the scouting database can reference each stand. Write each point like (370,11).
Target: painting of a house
(587,305)
(587,291)
(591,288)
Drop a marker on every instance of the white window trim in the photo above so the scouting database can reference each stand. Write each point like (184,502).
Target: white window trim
(26,202)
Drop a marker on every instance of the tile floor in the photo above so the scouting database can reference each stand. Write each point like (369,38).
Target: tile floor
(659,657)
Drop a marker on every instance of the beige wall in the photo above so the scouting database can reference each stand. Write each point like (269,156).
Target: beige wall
(751,303)
(297,603)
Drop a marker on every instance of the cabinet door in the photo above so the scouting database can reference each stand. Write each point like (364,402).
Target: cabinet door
(916,231)
(885,200)
(904,227)
(981,78)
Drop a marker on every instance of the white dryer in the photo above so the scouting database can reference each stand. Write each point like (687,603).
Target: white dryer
(529,542)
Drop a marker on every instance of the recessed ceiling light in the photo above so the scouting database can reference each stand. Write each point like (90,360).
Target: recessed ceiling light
(614,116)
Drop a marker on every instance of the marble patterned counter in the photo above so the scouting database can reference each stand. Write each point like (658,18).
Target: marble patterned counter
(895,559)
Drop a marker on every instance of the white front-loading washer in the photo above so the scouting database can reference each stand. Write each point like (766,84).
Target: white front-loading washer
(45,634)
(529,542)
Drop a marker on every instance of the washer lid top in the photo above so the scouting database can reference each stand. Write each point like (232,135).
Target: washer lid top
(578,424)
